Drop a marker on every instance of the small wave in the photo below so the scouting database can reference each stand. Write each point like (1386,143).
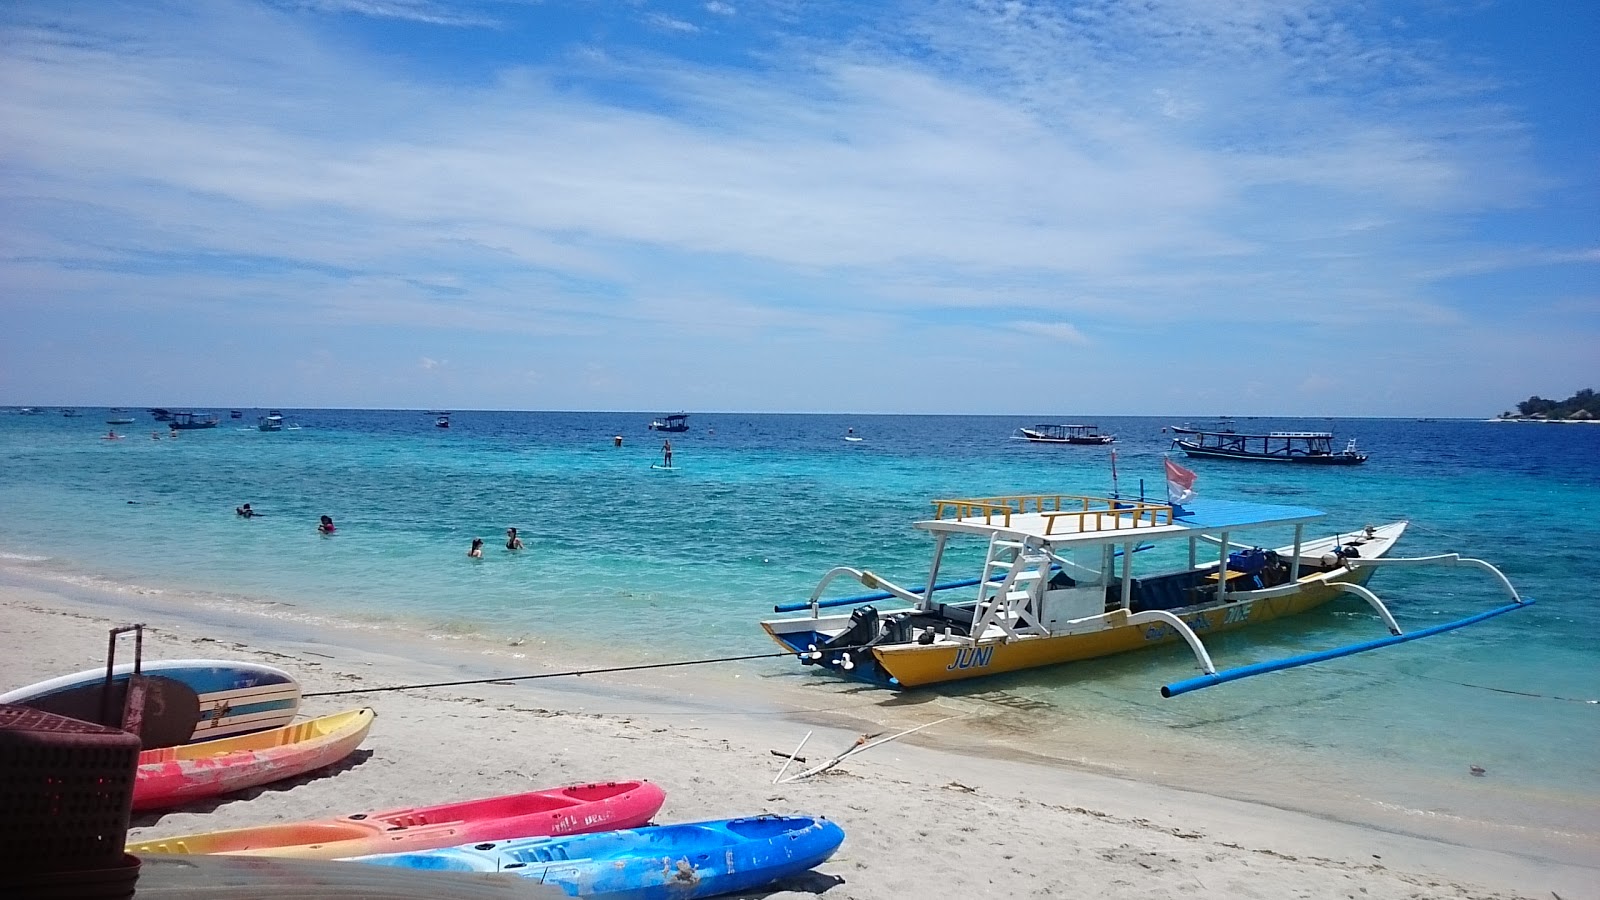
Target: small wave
(23,557)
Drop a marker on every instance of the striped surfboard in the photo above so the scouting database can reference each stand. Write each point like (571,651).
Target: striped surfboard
(234,697)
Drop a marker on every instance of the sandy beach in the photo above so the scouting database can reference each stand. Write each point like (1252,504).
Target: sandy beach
(920,819)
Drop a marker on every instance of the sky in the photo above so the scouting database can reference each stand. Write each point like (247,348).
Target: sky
(1169,207)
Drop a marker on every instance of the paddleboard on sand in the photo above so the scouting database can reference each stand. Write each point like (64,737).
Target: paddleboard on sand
(231,697)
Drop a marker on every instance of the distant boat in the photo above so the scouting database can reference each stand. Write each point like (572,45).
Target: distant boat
(184,421)
(442,422)
(71,413)
(1065,434)
(119,420)
(1302,447)
(675,423)
(272,421)
(28,411)
(236,415)
(160,415)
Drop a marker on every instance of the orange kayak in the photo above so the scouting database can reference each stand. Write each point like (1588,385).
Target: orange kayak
(576,809)
(173,776)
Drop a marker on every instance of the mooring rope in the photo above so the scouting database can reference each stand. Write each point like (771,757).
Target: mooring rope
(569,672)
(1485,687)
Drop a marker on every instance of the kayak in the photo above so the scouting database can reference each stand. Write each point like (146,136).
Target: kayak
(576,809)
(172,776)
(663,862)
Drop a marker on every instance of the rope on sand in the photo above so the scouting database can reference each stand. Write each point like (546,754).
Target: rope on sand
(599,671)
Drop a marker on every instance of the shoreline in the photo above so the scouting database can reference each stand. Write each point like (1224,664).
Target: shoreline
(909,808)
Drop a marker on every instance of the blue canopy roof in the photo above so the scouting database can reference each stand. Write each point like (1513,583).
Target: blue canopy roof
(1215,515)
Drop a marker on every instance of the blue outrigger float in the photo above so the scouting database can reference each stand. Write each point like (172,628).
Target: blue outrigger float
(1059,585)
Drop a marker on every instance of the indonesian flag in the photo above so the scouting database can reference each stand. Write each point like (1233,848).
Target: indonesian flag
(1180,483)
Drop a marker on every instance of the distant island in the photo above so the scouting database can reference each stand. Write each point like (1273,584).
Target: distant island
(1584,406)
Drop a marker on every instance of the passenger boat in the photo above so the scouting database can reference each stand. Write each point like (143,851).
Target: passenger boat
(272,421)
(1065,434)
(676,422)
(662,862)
(189,421)
(1058,584)
(173,776)
(1307,447)
(575,809)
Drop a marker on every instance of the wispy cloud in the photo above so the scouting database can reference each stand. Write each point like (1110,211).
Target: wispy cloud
(1122,168)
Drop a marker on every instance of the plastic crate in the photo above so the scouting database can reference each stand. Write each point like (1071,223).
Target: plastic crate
(66,787)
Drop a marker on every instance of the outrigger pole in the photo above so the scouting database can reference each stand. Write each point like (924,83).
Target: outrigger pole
(1212,678)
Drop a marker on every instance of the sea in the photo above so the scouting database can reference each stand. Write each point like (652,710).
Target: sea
(628,563)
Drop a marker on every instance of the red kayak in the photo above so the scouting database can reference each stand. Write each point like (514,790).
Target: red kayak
(173,776)
(577,809)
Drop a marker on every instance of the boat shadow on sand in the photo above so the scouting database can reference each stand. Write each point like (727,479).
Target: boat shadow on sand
(212,804)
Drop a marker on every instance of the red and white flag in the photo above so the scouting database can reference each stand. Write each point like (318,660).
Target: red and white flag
(1180,483)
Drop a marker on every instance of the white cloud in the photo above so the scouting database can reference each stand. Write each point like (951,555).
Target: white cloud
(1058,331)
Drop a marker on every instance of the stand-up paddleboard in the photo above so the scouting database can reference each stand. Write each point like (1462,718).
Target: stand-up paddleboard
(660,468)
(853,439)
(232,697)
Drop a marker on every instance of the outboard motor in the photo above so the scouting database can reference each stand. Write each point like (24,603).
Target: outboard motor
(863,630)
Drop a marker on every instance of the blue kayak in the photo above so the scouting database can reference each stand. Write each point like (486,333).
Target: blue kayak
(660,862)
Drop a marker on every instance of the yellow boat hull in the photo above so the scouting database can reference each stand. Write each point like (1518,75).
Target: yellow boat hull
(916,665)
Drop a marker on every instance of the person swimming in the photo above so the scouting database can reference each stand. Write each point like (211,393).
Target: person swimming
(326,525)
(244,512)
(477,549)
(512,541)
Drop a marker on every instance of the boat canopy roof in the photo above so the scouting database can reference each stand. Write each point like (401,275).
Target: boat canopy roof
(1062,519)
(1179,429)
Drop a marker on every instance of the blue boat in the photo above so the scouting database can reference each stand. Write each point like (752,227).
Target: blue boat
(661,862)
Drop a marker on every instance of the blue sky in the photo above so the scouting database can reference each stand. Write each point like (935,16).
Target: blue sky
(1173,207)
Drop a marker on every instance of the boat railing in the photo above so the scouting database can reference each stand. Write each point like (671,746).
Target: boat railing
(868,580)
(1125,513)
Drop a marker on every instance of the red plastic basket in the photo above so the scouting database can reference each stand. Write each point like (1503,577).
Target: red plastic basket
(65,790)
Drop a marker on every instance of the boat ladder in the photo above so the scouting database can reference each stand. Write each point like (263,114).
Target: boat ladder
(1014,576)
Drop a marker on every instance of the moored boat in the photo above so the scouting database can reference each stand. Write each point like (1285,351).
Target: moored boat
(1304,447)
(674,423)
(172,776)
(1058,585)
(663,862)
(272,421)
(1065,434)
(190,421)
(575,809)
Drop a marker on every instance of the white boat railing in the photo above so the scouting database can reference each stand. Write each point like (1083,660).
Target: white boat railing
(1443,559)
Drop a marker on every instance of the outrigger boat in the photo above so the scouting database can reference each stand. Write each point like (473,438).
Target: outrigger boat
(1058,585)
(1308,447)
(1065,434)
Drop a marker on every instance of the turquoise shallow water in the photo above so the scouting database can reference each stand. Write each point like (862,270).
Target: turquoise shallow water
(638,564)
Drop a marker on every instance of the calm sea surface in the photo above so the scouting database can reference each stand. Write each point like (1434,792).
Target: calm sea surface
(639,564)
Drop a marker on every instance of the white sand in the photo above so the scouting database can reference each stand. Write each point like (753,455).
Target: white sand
(920,822)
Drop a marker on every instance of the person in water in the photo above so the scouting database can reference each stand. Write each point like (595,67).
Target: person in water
(512,541)
(244,512)
(326,525)
(477,549)
(666,453)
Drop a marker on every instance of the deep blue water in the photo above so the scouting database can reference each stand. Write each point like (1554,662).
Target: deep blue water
(627,562)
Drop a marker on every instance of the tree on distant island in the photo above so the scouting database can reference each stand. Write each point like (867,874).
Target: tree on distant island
(1585,404)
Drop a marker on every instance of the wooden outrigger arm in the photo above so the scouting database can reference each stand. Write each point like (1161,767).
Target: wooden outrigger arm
(1397,636)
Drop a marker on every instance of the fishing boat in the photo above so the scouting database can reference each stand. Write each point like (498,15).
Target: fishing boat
(173,776)
(272,421)
(663,862)
(1059,584)
(575,809)
(1306,447)
(1065,434)
(189,421)
(675,423)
